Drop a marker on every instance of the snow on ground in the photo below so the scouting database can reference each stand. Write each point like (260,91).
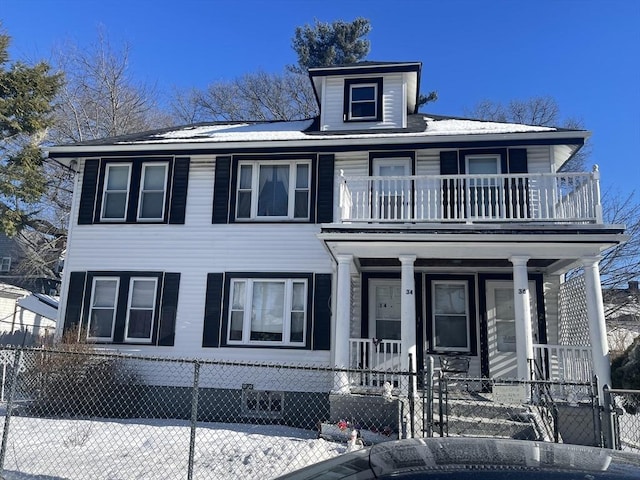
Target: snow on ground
(46,449)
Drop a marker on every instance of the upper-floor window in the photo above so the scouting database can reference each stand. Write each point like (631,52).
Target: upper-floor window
(153,190)
(115,197)
(363,99)
(5,264)
(273,190)
(134,190)
(269,311)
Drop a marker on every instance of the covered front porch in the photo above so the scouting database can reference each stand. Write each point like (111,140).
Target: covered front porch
(407,295)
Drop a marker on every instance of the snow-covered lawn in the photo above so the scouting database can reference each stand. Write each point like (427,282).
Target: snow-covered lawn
(45,449)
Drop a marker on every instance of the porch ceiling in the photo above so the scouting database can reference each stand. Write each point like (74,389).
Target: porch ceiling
(554,251)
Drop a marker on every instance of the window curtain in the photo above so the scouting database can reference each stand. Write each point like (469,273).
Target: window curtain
(273,199)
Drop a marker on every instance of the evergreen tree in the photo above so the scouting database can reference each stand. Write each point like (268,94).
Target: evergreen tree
(26,96)
(327,44)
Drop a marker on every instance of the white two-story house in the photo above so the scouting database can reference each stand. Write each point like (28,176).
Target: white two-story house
(370,236)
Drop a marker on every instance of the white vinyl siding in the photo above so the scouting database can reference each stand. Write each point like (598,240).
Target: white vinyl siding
(393,104)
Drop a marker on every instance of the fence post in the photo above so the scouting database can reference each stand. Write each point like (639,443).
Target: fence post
(194,418)
(412,399)
(427,403)
(7,420)
(609,421)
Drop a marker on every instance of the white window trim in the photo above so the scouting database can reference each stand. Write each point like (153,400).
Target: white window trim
(139,217)
(374,100)
(104,193)
(246,320)
(153,310)
(435,347)
(91,308)
(259,413)
(5,261)
(255,184)
(496,157)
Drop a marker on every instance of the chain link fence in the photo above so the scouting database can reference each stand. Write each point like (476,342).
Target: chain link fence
(625,408)
(78,413)
(565,412)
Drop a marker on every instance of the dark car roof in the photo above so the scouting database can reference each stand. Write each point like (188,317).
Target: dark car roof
(477,459)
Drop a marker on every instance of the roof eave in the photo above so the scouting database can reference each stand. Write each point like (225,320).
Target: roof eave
(366,140)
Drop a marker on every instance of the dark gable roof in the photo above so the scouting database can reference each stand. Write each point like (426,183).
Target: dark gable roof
(366,67)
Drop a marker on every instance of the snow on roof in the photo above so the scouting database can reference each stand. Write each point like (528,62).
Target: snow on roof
(43,305)
(299,130)
(454,126)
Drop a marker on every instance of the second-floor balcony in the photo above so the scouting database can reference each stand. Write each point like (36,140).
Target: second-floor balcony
(532,197)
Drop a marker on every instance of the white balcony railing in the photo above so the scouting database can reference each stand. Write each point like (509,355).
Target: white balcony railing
(376,361)
(562,362)
(544,197)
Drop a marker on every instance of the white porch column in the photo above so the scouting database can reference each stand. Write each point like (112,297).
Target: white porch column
(408,315)
(522,306)
(597,326)
(342,329)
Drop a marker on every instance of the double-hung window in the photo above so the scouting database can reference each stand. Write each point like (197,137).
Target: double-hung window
(450,316)
(5,264)
(115,197)
(267,311)
(104,294)
(153,187)
(140,309)
(363,100)
(273,190)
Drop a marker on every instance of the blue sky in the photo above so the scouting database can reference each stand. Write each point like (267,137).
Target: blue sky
(584,53)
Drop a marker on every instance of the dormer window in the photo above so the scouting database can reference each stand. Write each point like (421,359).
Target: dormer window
(363,100)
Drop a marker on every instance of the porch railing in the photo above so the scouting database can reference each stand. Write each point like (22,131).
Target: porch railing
(562,362)
(376,361)
(543,197)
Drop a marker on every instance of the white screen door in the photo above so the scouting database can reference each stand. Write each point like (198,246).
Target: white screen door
(501,327)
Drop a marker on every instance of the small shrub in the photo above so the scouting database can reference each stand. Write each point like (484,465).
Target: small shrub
(625,373)
(74,380)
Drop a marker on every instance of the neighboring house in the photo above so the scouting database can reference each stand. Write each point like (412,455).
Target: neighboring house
(622,310)
(26,318)
(372,236)
(15,268)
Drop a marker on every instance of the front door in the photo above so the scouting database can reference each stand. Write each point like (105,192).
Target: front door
(501,327)
(384,308)
(392,198)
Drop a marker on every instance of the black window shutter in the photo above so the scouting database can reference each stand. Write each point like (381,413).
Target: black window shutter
(322,312)
(449,165)
(168,309)
(179,190)
(213,310)
(221,191)
(518,188)
(325,188)
(75,299)
(518,160)
(88,194)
